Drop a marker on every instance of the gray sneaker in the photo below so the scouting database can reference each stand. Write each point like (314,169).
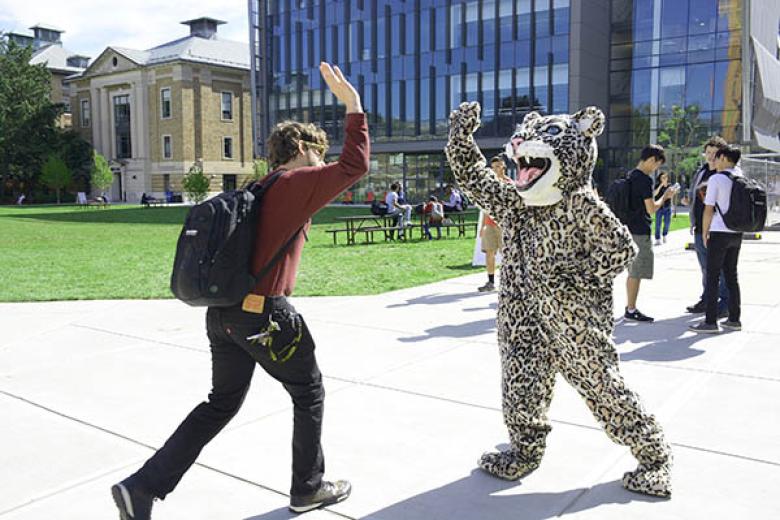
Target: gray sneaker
(328,494)
(705,328)
(731,325)
(487,287)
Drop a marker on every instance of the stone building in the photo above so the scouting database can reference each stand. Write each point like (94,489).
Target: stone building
(154,113)
(46,42)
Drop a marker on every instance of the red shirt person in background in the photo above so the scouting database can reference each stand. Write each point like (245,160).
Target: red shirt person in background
(265,329)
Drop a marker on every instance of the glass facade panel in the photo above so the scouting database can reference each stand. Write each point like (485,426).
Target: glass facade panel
(412,63)
(672,57)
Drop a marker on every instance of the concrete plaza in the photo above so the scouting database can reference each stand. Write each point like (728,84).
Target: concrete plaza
(89,389)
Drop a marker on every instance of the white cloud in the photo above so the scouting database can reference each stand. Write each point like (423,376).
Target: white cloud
(92,25)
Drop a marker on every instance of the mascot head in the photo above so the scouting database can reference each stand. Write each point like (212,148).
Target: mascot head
(555,154)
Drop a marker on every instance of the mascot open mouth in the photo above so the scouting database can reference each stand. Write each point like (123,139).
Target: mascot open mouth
(530,170)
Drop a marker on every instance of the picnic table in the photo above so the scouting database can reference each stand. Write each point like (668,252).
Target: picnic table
(354,225)
(366,224)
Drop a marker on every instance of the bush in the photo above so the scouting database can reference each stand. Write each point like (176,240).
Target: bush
(195,184)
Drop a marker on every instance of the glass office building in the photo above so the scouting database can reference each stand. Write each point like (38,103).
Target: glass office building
(673,53)
(412,62)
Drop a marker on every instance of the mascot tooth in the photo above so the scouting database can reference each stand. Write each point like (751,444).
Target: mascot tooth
(562,250)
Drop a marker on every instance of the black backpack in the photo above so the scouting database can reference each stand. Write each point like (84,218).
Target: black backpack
(465,202)
(747,205)
(378,208)
(214,252)
(619,198)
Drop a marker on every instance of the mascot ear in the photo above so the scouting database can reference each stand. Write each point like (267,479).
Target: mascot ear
(590,121)
(530,117)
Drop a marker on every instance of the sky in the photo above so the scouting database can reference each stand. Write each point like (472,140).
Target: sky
(92,25)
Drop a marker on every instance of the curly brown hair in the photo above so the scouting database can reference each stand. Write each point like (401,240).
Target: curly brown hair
(282,144)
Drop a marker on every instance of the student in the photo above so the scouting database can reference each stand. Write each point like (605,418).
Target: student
(433,208)
(643,206)
(722,243)
(490,234)
(663,217)
(455,202)
(402,213)
(695,197)
(306,185)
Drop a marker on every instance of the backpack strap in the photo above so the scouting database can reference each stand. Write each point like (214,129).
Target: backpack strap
(260,189)
(731,177)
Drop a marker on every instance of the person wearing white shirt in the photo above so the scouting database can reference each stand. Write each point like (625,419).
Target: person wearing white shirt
(722,243)
(401,212)
(455,202)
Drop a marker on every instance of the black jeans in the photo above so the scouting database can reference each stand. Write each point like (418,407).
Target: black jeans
(722,254)
(233,359)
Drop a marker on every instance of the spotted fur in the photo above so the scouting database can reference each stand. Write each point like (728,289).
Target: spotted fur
(562,250)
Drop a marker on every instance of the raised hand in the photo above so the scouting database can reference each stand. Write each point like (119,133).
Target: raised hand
(341,88)
(464,121)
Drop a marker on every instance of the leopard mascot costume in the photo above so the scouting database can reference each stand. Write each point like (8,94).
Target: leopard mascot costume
(562,250)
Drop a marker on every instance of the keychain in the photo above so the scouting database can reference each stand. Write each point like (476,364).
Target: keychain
(266,339)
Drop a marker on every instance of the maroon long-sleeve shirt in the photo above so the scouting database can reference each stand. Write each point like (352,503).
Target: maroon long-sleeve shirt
(295,197)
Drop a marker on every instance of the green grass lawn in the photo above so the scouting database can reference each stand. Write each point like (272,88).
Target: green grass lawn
(678,222)
(70,253)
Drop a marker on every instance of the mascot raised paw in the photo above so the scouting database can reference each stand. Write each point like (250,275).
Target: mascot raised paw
(562,250)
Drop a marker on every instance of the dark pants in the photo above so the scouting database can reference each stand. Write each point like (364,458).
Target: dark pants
(701,256)
(233,360)
(722,256)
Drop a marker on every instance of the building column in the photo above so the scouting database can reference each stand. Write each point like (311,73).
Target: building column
(106,120)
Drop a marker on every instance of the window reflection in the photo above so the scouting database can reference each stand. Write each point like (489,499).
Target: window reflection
(413,66)
(673,54)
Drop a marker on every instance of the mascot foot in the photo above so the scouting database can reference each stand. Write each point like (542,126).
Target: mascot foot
(652,480)
(508,465)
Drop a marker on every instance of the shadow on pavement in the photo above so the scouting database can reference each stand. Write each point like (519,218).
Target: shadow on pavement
(493,306)
(669,339)
(479,496)
(464,330)
(437,299)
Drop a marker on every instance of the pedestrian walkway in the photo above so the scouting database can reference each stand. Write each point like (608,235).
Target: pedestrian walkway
(88,390)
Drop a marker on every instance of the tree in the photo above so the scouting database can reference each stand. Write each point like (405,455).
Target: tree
(101,176)
(259,168)
(680,135)
(55,174)
(196,184)
(27,116)
(78,155)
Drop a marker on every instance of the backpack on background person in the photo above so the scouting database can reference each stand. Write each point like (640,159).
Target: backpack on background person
(619,198)
(747,204)
(378,208)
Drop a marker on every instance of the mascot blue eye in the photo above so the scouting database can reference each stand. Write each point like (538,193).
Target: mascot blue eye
(553,130)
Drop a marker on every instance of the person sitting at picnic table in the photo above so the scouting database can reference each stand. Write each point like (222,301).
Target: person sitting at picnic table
(455,202)
(402,213)
(435,212)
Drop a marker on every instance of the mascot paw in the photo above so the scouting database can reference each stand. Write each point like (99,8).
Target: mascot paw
(508,465)
(651,480)
(465,120)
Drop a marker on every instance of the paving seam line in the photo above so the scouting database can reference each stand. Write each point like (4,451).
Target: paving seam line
(351,383)
(138,443)
(140,338)
(75,485)
(681,398)
(556,421)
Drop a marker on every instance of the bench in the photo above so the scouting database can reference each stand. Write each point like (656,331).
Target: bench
(368,233)
(154,203)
